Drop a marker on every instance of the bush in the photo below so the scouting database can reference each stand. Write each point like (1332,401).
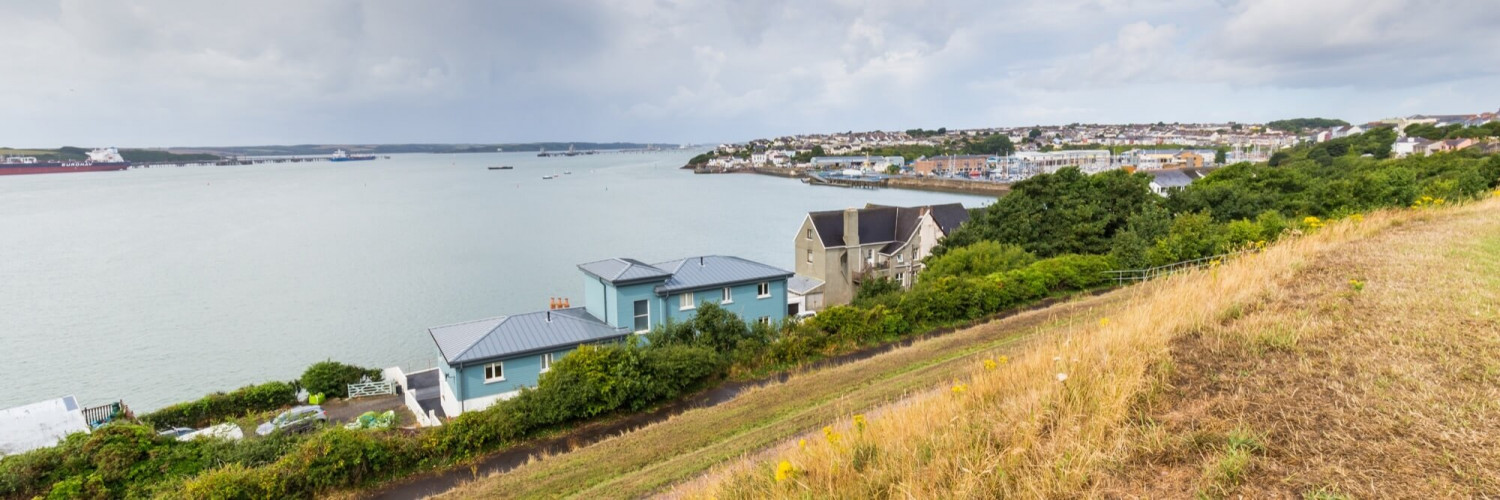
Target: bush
(332,378)
(219,407)
(979,259)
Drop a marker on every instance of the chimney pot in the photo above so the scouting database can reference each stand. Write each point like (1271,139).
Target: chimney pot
(549,315)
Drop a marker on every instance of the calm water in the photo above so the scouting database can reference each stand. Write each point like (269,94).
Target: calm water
(160,285)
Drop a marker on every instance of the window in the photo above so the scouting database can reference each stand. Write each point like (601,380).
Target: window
(728,296)
(901,278)
(546,362)
(764,320)
(809,256)
(763,290)
(642,316)
(494,372)
(900,258)
(809,233)
(685,301)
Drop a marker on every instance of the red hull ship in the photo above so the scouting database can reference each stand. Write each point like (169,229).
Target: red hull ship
(100,160)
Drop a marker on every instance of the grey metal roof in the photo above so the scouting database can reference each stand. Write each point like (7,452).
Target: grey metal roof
(1171,178)
(803,285)
(623,270)
(496,338)
(715,270)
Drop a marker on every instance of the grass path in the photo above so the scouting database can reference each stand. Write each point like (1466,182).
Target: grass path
(651,458)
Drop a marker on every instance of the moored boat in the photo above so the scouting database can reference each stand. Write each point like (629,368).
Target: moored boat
(99,160)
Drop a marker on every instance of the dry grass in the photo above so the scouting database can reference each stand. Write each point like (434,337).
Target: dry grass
(1087,414)
(646,460)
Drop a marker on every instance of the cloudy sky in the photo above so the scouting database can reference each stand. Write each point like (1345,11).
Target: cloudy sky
(192,72)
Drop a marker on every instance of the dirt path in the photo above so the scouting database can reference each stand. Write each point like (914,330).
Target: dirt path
(1001,326)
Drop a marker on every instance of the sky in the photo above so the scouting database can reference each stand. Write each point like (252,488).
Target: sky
(161,73)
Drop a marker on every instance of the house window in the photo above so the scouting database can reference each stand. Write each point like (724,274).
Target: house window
(809,233)
(901,278)
(685,301)
(642,316)
(763,290)
(728,296)
(546,362)
(494,372)
(764,320)
(809,256)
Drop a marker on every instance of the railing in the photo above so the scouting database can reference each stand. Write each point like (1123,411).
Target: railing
(372,388)
(103,414)
(1125,276)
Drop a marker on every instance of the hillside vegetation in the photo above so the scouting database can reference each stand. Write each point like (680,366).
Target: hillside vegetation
(1355,360)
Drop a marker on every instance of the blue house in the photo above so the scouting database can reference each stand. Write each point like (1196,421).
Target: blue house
(487,360)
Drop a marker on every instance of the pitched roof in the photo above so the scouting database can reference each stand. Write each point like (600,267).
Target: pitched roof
(1170,178)
(715,270)
(623,270)
(885,224)
(504,336)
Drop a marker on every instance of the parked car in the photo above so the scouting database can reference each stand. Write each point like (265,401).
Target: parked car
(176,432)
(296,419)
(230,431)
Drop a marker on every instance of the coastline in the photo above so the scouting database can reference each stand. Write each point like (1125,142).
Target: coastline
(935,184)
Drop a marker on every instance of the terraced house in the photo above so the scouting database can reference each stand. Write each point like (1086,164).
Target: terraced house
(488,360)
(839,249)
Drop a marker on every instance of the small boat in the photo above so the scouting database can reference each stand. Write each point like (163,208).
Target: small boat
(545,177)
(568,172)
(502,167)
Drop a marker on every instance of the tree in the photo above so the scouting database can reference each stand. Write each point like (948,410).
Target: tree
(994,144)
(1063,212)
(892,169)
(1221,156)
(332,378)
(875,287)
(979,259)
(1034,133)
(818,151)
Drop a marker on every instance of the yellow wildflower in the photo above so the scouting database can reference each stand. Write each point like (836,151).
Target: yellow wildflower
(830,435)
(960,388)
(1357,218)
(1103,321)
(785,471)
(1003,359)
(1312,222)
(1357,285)
(801,444)
(859,423)
(989,364)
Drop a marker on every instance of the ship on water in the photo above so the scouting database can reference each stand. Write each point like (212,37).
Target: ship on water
(99,160)
(341,155)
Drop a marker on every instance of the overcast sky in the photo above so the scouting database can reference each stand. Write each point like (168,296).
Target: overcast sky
(194,72)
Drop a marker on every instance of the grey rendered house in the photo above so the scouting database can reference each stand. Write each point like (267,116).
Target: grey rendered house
(484,361)
(839,249)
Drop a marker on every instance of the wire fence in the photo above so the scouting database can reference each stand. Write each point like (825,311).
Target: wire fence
(1127,276)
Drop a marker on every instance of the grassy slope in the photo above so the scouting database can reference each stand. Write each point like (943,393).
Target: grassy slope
(1267,376)
(685,446)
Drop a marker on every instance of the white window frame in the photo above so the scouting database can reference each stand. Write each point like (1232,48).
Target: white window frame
(491,368)
(764,320)
(728,297)
(635,316)
(763,290)
(546,362)
(809,256)
(809,234)
(901,278)
(685,302)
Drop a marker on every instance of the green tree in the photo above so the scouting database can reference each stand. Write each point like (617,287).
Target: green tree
(332,378)
(993,144)
(978,259)
(1221,156)
(1064,212)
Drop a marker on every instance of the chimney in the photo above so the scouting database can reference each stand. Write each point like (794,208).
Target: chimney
(851,227)
(565,303)
(551,303)
(700,261)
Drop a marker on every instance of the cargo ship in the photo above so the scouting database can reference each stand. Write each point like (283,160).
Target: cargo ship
(341,155)
(99,160)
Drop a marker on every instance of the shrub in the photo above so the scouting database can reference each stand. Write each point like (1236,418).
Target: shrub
(332,378)
(979,259)
(221,406)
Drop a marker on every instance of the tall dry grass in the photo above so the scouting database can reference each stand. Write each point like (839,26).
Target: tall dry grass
(1039,425)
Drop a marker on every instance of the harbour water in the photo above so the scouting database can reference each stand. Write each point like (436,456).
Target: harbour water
(160,285)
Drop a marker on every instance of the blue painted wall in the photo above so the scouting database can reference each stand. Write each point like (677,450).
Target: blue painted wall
(519,372)
(746,304)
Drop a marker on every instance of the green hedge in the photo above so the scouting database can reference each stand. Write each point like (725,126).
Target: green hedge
(332,378)
(217,407)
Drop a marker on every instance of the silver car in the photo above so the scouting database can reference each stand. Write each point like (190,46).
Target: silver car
(296,419)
